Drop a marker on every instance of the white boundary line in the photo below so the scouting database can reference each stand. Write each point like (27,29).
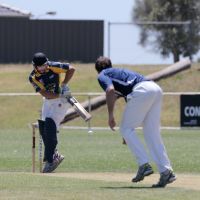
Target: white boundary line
(117,128)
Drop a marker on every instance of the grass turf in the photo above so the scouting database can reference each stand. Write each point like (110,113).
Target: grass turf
(100,152)
(97,153)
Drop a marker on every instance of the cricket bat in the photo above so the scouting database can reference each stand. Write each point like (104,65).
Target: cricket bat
(79,108)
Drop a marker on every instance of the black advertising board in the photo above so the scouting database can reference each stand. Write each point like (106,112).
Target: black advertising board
(190,110)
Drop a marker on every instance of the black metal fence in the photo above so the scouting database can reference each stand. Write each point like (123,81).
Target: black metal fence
(64,40)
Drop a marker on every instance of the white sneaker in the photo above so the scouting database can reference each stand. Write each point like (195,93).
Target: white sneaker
(58,157)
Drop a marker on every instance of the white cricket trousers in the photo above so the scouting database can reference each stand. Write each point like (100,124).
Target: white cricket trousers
(143,108)
(55,109)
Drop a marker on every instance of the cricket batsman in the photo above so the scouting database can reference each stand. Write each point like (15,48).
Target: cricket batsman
(143,108)
(46,79)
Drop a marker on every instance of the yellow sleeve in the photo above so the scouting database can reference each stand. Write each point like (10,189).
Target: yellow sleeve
(58,67)
(57,70)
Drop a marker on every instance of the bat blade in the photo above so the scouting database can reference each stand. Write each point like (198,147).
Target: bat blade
(80,109)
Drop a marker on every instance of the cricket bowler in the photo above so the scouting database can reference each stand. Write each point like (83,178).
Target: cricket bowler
(143,108)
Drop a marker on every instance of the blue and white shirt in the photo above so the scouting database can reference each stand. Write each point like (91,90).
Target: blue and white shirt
(123,80)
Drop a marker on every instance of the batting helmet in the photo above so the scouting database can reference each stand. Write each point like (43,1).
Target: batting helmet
(39,59)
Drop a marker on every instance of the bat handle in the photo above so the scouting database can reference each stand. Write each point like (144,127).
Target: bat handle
(70,99)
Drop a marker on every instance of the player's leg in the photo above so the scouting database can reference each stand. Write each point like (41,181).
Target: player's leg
(154,140)
(41,125)
(50,134)
(134,144)
(133,117)
(59,109)
(151,128)
(137,149)
(51,138)
(50,146)
(55,114)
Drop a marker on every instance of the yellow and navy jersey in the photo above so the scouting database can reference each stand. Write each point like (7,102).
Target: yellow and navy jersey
(50,80)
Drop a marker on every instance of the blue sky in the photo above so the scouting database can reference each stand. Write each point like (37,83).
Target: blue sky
(124,47)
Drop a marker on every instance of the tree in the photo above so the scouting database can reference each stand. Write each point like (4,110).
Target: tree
(176,39)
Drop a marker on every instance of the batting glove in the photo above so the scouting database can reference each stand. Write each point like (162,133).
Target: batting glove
(65,91)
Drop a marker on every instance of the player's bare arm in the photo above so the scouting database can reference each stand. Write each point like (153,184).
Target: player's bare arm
(68,74)
(110,99)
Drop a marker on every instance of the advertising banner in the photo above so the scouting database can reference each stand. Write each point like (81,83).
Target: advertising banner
(190,110)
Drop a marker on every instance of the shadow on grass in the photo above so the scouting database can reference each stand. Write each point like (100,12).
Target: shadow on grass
(127,187)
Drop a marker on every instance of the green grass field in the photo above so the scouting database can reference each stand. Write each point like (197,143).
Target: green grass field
(96,166)
(90,160)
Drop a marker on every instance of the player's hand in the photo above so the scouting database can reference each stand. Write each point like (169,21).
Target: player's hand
(111,122)
(65,91)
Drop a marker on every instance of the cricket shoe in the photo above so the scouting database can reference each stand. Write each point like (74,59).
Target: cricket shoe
(144,170)
(50,167)
(58,157)
(55,155)
(166,177)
